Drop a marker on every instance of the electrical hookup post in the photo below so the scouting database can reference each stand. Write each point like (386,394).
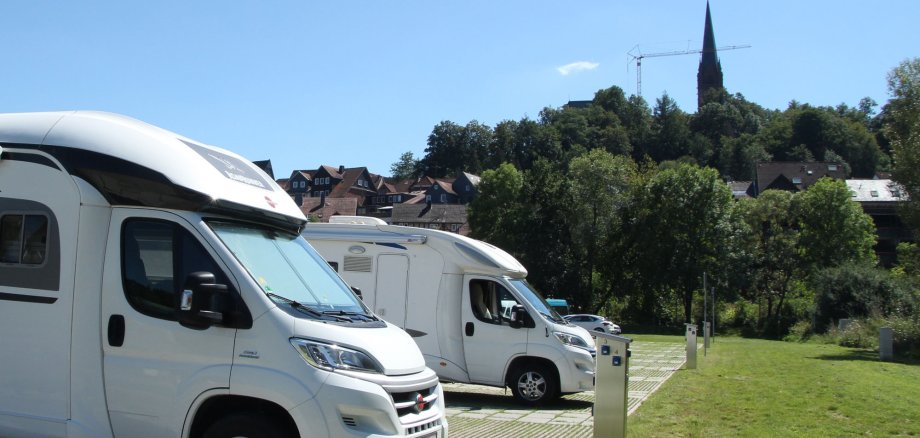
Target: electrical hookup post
(691,346)
(611,385)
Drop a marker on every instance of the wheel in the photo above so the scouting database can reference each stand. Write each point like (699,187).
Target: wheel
(599,329)
(246,426)
(534,384)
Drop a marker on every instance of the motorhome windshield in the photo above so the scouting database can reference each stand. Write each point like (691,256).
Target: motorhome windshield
(286,267)
(535,300)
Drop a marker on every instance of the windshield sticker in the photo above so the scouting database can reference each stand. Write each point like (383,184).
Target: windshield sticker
(231,167)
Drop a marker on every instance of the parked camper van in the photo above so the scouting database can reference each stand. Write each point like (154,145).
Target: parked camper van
(154,286)
(465,302)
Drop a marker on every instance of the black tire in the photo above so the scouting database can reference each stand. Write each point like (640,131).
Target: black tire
(534,384)
(246,426)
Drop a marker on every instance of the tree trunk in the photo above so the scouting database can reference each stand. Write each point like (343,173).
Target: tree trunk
(688,306)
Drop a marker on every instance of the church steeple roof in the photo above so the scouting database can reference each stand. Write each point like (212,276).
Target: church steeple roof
(710,72)
(709,41)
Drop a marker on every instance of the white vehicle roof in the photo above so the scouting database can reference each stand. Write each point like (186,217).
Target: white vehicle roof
(473,256)
(133,163)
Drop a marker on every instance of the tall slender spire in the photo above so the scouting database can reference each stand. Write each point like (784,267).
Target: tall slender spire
(709,75)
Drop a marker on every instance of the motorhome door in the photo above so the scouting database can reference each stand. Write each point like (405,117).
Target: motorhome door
(154,367)
(489,342)
(392,287)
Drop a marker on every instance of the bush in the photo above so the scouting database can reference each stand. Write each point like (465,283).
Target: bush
(906,336)
(854,291)
(799,332)
(859,334)
(865,334)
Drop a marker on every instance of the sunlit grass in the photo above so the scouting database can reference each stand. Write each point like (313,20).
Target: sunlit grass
(748,387)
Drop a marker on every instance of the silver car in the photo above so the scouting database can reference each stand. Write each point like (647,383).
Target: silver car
(593,323)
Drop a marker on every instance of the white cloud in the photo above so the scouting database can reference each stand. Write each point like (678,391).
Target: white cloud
(576,67)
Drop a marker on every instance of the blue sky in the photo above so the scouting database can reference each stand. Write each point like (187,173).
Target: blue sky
(357,83)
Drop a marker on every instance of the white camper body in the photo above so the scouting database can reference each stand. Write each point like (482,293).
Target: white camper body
(456,297)
(153,286)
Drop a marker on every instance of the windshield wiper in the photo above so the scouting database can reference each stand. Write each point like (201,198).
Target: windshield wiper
(552,318)
(344,313)
(306,309)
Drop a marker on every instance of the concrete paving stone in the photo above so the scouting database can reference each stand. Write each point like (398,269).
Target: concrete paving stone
(566,420)
(500,417)
(552,411)
(517,411)
(472,415)
(575,416)
(537,418)
(506,414)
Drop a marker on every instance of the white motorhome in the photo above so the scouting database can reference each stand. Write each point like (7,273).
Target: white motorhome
(465,302)
(154,286)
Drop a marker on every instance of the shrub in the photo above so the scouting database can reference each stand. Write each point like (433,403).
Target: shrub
(906,336)
(854,291)
(858,334)
(865,334)
(799,332)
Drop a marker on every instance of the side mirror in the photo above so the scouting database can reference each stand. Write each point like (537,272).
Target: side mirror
(202,302)
(357,292)
(518,316)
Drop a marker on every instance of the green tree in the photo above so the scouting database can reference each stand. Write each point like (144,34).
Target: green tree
(852,290)
(902,128)
(904,105)
(670,131)
(453,148)
(544,240)
(834,228)
(806,133)
(739,155)
(406,167)
(525,214)
(774,246)
(495,212)
(600,187)
(680,221)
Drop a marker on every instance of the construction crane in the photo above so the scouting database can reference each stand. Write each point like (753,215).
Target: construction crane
(636,55)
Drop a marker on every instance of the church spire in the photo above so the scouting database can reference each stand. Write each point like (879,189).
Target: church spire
(709,76)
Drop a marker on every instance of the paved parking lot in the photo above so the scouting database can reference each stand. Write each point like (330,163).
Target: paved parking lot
(479,411)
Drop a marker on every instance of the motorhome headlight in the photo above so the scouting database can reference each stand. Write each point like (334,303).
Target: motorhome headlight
(331,357)
(573,340)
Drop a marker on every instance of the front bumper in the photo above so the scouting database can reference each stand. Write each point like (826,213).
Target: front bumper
(350,406)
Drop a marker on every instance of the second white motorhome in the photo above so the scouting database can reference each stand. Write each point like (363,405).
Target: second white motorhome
(465,302)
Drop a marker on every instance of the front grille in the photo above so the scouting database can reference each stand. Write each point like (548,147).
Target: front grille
(423,427)
(349,421)
(407,402)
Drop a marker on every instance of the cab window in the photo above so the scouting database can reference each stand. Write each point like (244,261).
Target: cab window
(491,302)
(157,256)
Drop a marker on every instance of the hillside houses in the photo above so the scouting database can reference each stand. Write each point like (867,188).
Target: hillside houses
(427,202)
(879,198)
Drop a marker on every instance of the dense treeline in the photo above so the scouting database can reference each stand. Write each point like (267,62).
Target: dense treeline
(621,208)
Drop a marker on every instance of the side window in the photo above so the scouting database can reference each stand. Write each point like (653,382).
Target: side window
(491,302)
(157,256)
(23,239)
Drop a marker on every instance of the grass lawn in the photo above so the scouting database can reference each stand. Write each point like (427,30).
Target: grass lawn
(758,388)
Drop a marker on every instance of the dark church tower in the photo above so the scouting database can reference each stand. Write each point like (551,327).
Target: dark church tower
(709,76)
